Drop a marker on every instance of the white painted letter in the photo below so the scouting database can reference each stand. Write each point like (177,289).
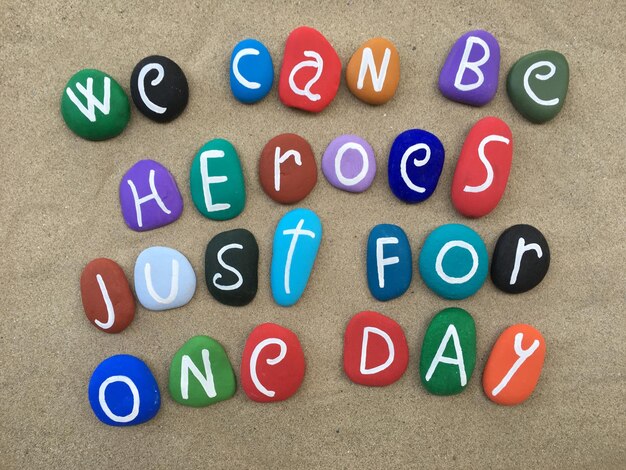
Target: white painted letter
(416,162)
(381,261)
(318,63)
(440,358)
(238,76)
(519,253)
(153,195)
(474,66)
(280,159)
(367,62)
(392,353)
(103,404)
(364,168)
(92,102)
(218,276)
(173,286)
(107,302)
(255,357)
(547,76)
(205,380)
(522,354)
(142,91)
(442,254)
(488,167)
(208,180)
(296,232)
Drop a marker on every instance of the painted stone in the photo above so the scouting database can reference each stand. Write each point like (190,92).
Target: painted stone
(520,259)
(272,365)
(373,73)
(107,299)
(296,242)
(514,365)
(453,261)
(164,279)
(149,196)
(375,351)
(448,352)
(94,106)
(159,88)
(415,163)
(287,168)
(470,72)
(123,391)
(231,267)
(349,163)
(483,168)
(251,71)
(311,71)
(216,180)
(537,85)
(389,262)
(201,374)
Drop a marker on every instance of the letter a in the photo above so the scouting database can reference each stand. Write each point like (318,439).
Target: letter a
(440,358)
(318,63)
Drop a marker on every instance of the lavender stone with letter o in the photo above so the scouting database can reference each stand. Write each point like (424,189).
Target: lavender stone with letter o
(349,163)
(149,196)
(470,73)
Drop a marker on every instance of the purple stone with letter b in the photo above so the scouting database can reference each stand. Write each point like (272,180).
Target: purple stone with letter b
(149,196)
(470,73)
(349,164)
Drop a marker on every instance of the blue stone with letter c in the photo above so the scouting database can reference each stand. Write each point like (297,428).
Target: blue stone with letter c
(251,71)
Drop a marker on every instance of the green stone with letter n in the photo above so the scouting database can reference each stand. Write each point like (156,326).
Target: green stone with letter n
(94,106)
(201,374)
(537,85)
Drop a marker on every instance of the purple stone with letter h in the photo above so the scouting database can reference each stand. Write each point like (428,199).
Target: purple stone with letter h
(470,73)
(149,196)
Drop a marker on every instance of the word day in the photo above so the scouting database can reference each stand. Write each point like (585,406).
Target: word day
(96,107)
(123,390)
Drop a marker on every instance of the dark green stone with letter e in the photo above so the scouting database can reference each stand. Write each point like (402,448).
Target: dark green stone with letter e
(537,85)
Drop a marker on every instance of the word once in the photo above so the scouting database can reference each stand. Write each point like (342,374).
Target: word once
(123,391)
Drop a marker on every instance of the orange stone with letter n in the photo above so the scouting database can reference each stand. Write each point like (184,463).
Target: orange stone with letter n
(373,72)
(107,299)
(514,365)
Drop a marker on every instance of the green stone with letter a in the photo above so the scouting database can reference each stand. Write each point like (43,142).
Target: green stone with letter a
(201,374)
(94,106)
(448,352)
(216,179)
(537,85)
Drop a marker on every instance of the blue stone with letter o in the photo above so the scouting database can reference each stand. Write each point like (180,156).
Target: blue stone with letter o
(251,71)
(389,262)
(415,163)
(453,262)
(123,391)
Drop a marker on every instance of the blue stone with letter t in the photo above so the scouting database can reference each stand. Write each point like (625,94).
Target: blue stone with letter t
(296,242)
(251,71)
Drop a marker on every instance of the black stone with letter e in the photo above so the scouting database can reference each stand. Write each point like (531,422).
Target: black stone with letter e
(159,88)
